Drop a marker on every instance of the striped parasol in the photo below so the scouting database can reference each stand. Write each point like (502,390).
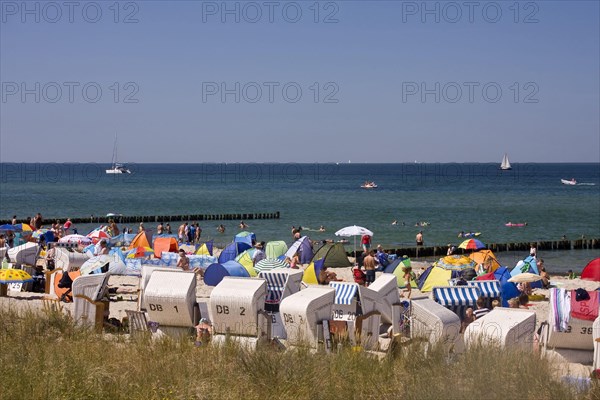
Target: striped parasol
(270,263)
(472,244)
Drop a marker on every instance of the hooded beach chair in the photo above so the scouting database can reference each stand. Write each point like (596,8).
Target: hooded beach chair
(281,283)
(236,310)
(170,301)
(504,327)
(564,335)
(456,298)
(147,271)
(304,313)
(490,290)
(356,305)
(88,294)
(434,323)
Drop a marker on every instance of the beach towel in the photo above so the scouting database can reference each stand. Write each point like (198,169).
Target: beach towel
(585,309)
(560,301)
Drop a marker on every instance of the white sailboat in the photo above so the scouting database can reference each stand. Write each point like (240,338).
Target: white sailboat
(117,168)
(505,163)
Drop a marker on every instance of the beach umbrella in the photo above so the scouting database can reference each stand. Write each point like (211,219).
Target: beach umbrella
(455,262)
(77,239)
(472,244)
(270,263)
(525,277)
(40,232)
(355,231)
(23,228)
(14,276)
(8,227)
(97,235)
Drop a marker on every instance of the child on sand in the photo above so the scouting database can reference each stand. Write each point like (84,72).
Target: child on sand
(407,281)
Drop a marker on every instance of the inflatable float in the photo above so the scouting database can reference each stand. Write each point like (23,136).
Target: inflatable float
(510,224)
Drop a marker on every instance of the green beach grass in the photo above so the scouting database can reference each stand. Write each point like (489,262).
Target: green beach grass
(44,356)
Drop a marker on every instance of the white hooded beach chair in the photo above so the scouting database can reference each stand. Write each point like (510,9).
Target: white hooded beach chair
(573,342)
(145,278)
(505,327)
(67,259)
(303,314)
(386,287)
(433,322)
(88,294)
(236,310)
(281,283)
(170,301)
(356,305)
(23,254)
(456,298)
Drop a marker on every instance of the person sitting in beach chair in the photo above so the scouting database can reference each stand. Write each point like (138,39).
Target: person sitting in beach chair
(66,283)
(325,276)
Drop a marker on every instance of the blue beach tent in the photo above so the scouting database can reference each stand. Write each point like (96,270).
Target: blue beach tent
(232,251)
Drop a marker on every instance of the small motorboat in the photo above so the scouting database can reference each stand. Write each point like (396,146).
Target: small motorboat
(369,185)
(567,182)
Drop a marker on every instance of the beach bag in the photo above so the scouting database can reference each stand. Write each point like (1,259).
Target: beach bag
(359,276)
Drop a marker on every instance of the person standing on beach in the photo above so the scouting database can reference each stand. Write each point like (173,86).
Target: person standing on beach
(181,232)
(259,254)
(407,281)
(159,229)
(419,238)
(198,233)
(533,250)
(67,226)
(366,243)
(14,220)
(168,228)
(369,264)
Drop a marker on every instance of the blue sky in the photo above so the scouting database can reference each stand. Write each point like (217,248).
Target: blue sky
(369,79)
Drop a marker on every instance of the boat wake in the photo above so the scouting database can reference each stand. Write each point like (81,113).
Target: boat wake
(586,184)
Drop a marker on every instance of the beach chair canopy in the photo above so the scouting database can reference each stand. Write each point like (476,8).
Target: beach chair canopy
(304,249)
(489,289)
(451,296)
(344,292)
(333,255)
(592,270)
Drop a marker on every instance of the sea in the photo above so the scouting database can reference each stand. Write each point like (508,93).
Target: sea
(439,199)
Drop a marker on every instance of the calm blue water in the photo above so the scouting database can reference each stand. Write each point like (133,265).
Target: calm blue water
(451,197)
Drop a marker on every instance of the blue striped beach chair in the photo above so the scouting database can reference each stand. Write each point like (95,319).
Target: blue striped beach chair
(456,298)
(490,290)
(357,305)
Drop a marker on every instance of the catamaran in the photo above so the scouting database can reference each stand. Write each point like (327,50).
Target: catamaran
(117,168)
(505,163)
